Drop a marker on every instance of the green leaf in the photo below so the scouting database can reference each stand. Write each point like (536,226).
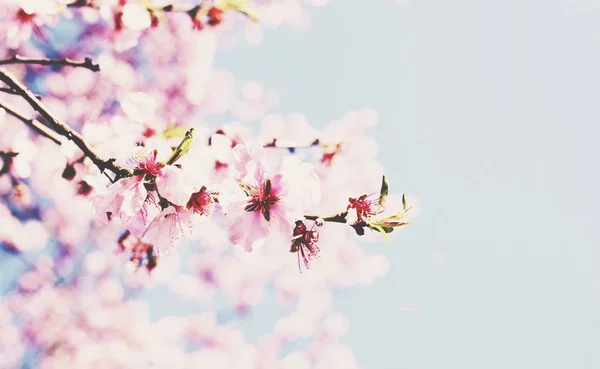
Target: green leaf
(392,218)
(251,14)
(403,202)
(377,227)
(172,131)
(392,221)
(241,6)
(181,149)
(383,193)
(381,230)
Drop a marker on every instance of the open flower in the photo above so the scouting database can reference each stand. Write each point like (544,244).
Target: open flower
(304,243)
(263,207)
(362,208)
(168,227)
(173,185)
(264,200)
(125,198)
(368,211)
(201,202)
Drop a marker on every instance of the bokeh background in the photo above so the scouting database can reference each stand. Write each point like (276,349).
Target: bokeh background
(489,113)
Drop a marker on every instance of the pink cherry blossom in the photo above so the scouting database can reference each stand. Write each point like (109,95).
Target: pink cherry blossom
(134,166)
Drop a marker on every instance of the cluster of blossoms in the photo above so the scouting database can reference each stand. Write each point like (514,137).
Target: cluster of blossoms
(116,180)
(261,197)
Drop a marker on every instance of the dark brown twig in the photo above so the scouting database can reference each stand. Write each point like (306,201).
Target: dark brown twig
(62,129)
(338,218)
(36,125)
(290,145)
(64,62)
(167,8)
(7,157)
(13,92)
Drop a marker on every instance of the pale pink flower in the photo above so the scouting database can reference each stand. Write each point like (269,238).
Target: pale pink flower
(125,198)
(173,185)
(135,17)
(264,200)
(262,208)
(168,227)
(362,208)
(20,19)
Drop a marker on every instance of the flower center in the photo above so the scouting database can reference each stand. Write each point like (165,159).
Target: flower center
(25,17)
(149,165)
(365,207)
(201,202)
(262,199)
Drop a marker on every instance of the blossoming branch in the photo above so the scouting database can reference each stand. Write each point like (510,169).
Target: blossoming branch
(132,158)
(163,199)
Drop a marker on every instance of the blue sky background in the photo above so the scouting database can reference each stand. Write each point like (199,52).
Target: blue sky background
(489,114)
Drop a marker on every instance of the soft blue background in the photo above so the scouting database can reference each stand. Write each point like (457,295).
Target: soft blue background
(489,114)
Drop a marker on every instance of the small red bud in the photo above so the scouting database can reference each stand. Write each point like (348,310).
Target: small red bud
(154,23)
(215,16)
(149,132)
(84,188)
(119,21)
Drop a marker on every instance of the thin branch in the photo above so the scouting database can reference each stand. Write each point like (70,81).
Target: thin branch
(13,92)
(338,218)
(291,146)
(171,8)
(36,125)
(64,62)
(62,129)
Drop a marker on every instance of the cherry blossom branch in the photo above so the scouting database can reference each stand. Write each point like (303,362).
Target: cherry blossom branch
(35,125)
(87,63)
(62,129)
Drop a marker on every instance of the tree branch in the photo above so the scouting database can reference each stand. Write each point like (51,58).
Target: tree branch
(290,145)
(62,129)
(338,218)
(171,8)
(36,125)
(87,63)
(13,92)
